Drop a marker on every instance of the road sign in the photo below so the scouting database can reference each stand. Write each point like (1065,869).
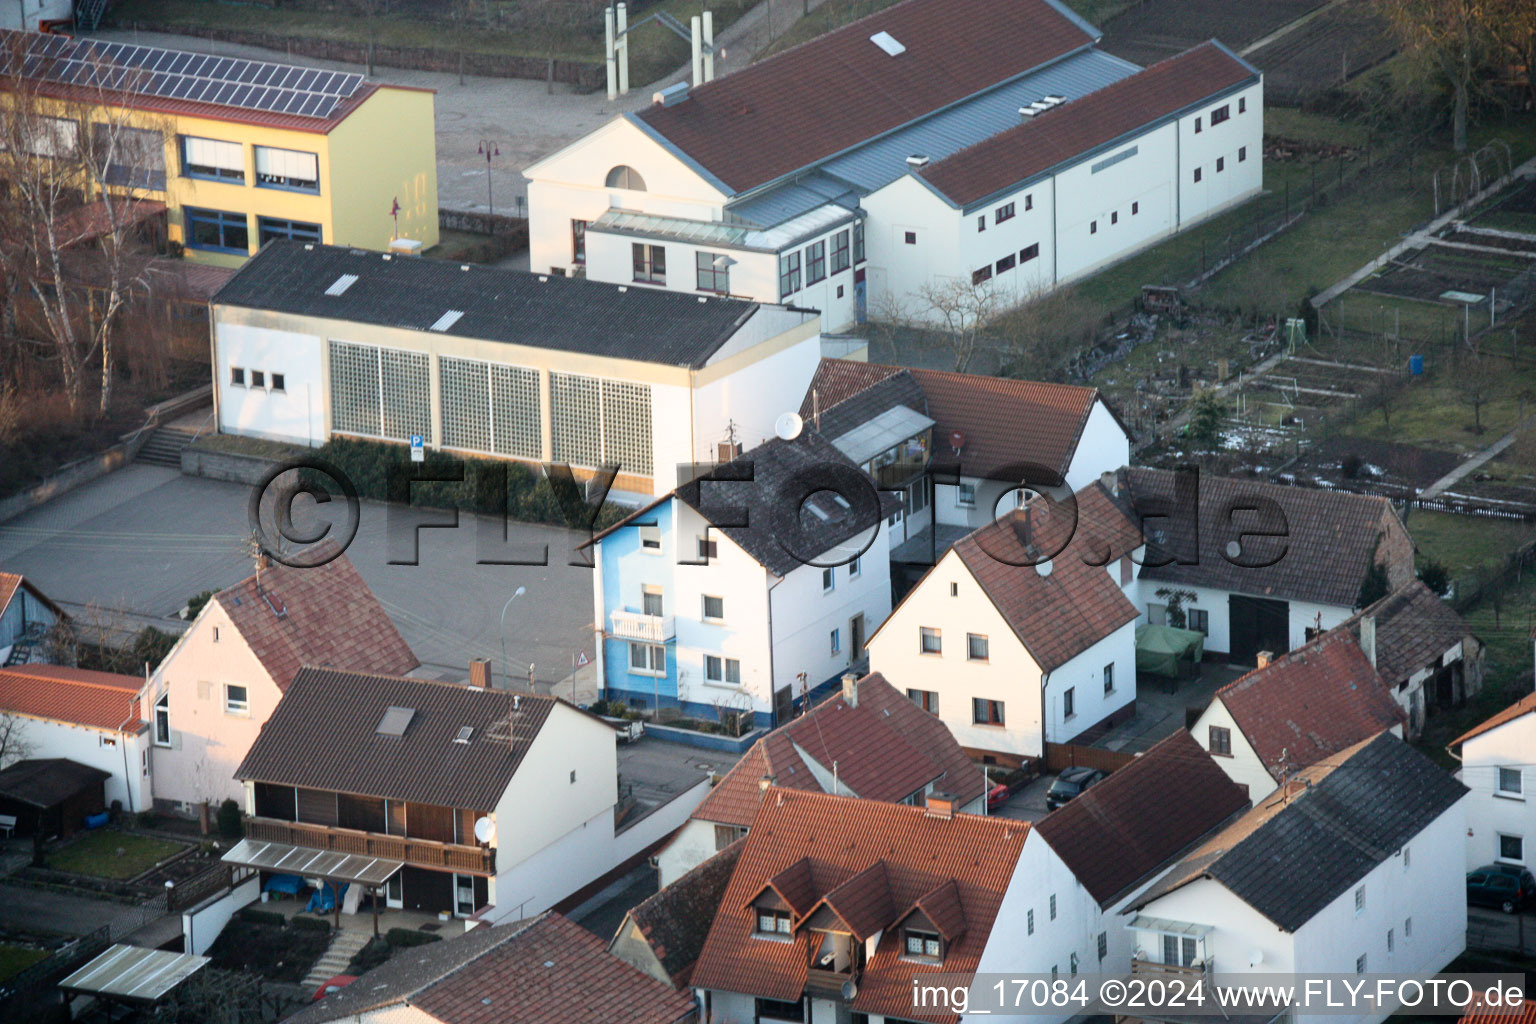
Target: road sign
(418,448)
(581,659)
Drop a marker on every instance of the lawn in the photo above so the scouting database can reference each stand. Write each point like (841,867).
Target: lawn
(97,854)
(1435,410)
(15,959)
(1463,544)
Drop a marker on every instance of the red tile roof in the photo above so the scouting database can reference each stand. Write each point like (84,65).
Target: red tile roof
(1481,1014)
(11,583)
(101,700)
(1524,706)
(554,972)
(324,616)
(1098,119)
(1059,615)
(675,921)
(1142,816)
(886,748)
(1006,422)
(841,89)
(1315,701)
(837,838)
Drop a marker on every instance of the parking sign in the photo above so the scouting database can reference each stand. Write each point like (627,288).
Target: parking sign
(418,448)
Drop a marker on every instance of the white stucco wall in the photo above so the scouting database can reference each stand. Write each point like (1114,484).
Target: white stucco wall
(1303,615)
(120,753)
(1244,766)
(295,414)
(1490,813)
(568,775)
(1084,675)
(207,743)
(689,847)
(1009,674)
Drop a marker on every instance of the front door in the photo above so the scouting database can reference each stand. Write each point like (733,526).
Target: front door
(463,895)
(856,637)
(394,892)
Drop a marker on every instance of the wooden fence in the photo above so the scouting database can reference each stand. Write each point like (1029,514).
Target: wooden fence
(1072,755)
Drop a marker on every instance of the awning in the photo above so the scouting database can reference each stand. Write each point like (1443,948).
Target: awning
(1162,924)
(881,434)
(129,972)
(302,860)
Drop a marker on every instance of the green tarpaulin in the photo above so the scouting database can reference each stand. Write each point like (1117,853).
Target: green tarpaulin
(1159,649)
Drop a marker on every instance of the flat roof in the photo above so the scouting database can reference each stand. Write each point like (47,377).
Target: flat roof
(130,972)
(302,861)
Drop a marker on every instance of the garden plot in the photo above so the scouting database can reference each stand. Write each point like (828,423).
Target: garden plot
(1302,391)
(1514,211)
(1156,29)
(1443,273)
(1333,47)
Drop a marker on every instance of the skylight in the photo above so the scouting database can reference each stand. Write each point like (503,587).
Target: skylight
(341,284)
(888,43)
(465,732)
(395,721)
(447,320)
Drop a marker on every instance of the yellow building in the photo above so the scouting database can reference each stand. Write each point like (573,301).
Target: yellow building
(252,150)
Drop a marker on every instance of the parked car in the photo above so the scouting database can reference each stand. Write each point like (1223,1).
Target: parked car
(997,796)
(1071,783)
(333,985)
(1506,887)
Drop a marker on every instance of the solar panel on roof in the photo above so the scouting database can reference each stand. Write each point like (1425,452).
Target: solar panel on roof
(174,74)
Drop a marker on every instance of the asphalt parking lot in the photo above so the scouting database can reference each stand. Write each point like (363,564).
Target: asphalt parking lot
(144,539)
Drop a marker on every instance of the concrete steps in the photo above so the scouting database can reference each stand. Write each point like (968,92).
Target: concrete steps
(165,445)
(344,946)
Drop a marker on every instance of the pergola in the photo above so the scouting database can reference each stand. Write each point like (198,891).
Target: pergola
(130,974)
(333,866)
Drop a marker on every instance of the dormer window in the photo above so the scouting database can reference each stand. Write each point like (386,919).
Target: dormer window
(922,945)
(771,921)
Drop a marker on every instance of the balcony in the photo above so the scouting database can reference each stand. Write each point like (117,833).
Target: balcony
(656,629)
(423,853)
(1194,972)
(827,984)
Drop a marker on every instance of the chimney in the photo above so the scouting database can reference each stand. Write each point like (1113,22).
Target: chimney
(1368,638)
(480,673)
(1110,481)
(941,805)
(1264,658)
(850,689)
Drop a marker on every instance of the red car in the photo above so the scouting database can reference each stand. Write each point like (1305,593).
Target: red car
(997,796)
(335,984)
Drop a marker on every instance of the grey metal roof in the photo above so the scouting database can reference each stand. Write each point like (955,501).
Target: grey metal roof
(134,973)
(882,161)
(815,221)
(1293,855)
(566,314)
(792,199)
(309,862)
(881,433)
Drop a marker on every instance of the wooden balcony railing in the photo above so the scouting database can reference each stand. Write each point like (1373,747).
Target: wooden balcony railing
(422,853)
(827,984)
(1193,971)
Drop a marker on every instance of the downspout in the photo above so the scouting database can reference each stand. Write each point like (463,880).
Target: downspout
(772,689)
(127,775)
(1045,724)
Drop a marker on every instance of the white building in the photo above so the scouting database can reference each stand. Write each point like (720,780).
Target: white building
(312,342)
(869,742)
(1022,634)
(955,447)
(217,687)
(735,593)
(875,161)
(482,803)
(1297,710)
(1390,902)
(26,616)
(1260,567)
(1496,765)
(93,718)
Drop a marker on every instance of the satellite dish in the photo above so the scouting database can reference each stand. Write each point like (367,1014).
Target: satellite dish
(1044,568)
(485,829)
(788,426)
(1255,957)
(850,989)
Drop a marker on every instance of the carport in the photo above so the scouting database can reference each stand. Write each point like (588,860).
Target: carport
(133,975)
(335,867)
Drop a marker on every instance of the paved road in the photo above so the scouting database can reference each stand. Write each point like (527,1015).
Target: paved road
(145,539)
(1489,929)
(34,910)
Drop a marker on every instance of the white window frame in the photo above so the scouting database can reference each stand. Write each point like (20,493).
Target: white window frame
(1501,790)
(828,581)
(965,495)
(163,713)
(650,539)
(926,633)
(1499,848)
(835,641)
(722,666)
(1359,900)
(650,659)
(704,600)
(970,649)
(241,707)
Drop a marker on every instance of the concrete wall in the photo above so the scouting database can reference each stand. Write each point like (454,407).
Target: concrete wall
(207,743)
(201,925)
(1490,814)
(691,846)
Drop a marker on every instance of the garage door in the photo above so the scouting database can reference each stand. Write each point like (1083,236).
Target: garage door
(1258,624)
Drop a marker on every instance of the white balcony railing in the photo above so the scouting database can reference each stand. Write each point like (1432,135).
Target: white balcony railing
(639,626)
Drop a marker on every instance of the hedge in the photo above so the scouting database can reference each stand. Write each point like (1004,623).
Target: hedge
(531,498)
(255,916)
(404,938)
(314,924)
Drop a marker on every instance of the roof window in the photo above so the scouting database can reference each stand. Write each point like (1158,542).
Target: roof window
(395,721)
(888,43)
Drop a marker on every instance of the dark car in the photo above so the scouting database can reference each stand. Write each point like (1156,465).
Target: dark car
(1506,887)
(1071,783)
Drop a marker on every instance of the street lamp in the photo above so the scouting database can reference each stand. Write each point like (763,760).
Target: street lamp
(489,149)
(505,667)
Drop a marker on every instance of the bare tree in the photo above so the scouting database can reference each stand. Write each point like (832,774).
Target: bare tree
(1514,32)
(1454,38)
(952,314)
(78,163)
(1041,331)
(1476,380)
(14,744)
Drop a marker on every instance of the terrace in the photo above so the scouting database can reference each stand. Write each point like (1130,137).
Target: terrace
(424,853)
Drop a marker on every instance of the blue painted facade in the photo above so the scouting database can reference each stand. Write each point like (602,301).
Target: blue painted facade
(626,566)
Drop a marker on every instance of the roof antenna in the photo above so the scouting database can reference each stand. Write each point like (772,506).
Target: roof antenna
(258,557)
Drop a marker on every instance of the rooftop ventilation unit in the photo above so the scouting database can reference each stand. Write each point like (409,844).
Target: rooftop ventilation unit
(447,320)
(671,96)
(888,43)
(917,159)
(341,284)
(395,721)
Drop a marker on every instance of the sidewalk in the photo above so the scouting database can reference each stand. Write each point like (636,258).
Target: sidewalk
(1477,461)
